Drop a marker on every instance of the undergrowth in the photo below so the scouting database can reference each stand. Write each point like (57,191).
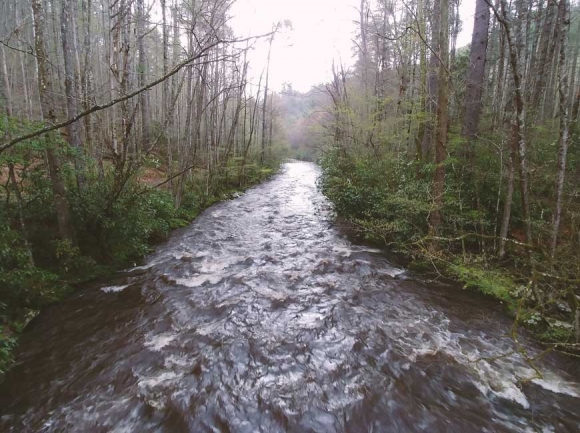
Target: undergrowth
(111,230)
(388,199)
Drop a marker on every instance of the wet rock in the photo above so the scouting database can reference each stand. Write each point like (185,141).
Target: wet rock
(555,323)
(563,306)
(187,258)
(167,279)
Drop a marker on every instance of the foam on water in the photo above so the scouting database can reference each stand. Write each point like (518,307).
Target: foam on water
(159,341)
(553,383)
(114,289)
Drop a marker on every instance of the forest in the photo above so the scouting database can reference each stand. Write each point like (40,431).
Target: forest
(289,215)
(123,119)
(120,120)
(465,160)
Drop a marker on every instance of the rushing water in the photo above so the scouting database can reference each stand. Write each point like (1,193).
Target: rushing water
(260,316)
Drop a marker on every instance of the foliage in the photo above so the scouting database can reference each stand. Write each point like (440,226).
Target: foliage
(381,196)
(23,285)
(114,225)
(388,199)
(391,196)
(491,282)
(7,344)
(119,232)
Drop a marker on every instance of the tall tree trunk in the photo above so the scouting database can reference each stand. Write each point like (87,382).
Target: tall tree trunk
(562,29)
(420,140)
(455,30)
(432,84)
(550,102)
(364,51)
(574,121)
(499,110)
(574,70)
(165,55)
(93,147)
(265,104)
(442,116)
(6,91)
(271,127)
(508,201)
(518,128)
(23,73)
(58,82)
(113,12)
(174,83)
(539,78)
(534,36)
(68,46)
(183,151)
(126,81)
(142,68)
(477,59)
(575,133)
(48,115)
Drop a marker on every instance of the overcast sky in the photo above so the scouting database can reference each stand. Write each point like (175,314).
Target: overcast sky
(322,30)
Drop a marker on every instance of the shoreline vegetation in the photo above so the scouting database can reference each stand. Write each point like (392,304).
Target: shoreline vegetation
(143,216)
(396,221)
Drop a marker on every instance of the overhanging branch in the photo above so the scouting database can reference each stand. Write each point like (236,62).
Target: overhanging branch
(100,107)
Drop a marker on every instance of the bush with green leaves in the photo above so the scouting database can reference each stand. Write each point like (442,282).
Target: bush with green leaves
(116,232)
(7,344)
(383,197)
(22,284)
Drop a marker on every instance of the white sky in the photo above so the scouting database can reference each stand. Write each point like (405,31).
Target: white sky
(322,30)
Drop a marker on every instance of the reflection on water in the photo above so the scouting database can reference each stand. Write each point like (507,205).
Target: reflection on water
(261,317)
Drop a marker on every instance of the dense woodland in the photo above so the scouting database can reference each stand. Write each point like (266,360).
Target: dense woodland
(465,159)
(119,120)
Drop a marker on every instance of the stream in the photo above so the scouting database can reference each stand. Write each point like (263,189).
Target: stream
(261,317)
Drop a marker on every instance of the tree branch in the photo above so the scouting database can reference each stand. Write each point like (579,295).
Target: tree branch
(100,107)
(170,178)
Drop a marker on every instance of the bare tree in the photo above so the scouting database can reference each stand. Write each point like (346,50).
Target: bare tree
(265,101)
(70,83)
(477,61)
(142,68)
(518,142)
(49,116)
(6,91)
(432,82)
(562,31)
(442,116)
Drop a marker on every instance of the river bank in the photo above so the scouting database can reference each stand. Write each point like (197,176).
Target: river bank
(551,327)
(386,204)
(74,269)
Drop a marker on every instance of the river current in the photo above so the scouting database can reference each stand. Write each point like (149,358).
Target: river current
(261,317)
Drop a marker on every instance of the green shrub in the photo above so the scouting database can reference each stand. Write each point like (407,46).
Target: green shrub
(119,232)
(494,283)
(7,344)
(384,197)
(22,284)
